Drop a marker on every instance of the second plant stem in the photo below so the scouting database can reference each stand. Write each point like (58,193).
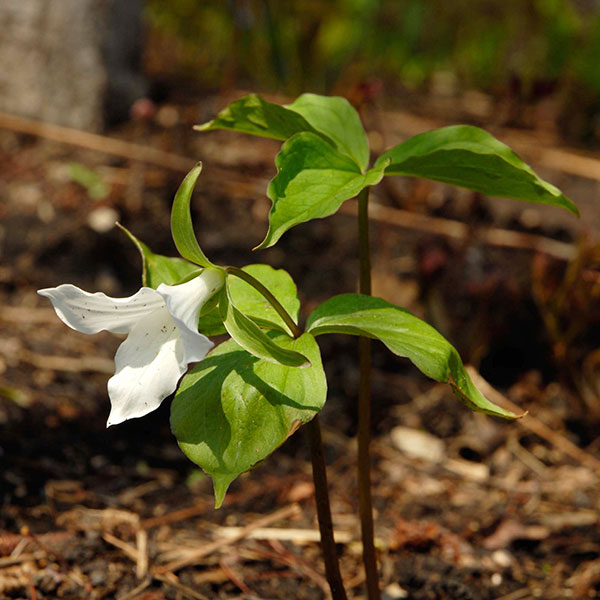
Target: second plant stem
(364,411)
(317,455)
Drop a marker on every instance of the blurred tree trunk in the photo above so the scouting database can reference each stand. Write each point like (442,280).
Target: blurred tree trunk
(59,58)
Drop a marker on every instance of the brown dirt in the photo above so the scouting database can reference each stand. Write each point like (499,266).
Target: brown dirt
(497,513)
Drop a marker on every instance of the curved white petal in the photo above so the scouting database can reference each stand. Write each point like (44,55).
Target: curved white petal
(184,302)
(148,366)
(91,313)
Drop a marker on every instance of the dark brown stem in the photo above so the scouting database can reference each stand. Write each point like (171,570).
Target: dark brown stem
(332,569)
(364,411)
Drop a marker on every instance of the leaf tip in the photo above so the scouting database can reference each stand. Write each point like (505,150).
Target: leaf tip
(221,484)
(203,126)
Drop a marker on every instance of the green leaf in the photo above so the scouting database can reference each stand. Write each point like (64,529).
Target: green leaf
(182,227)
(312,182)
(254,305)
(337,119)
(405,335)
(95,186)
(470,157)
(252,338)
(156,268)
(256,116)
(233,409)
(333,118)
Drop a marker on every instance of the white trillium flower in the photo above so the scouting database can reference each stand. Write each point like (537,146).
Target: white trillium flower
(163,338)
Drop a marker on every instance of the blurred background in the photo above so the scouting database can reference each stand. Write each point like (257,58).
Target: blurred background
(97,103)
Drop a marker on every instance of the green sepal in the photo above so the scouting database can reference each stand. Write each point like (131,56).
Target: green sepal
(157,269)
(252,338)
(405,335)
(472,158)
(234,409)
(182,227)
(313,180)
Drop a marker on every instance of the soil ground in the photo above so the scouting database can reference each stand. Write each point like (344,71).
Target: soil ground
(467,507)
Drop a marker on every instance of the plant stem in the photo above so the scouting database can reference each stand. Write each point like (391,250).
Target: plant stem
(317,455)
(364,411)
(332,568)
(259,287)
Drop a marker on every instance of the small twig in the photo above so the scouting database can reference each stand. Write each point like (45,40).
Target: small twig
(21,314)
(7,561)
(44,547)
(538,427)
(171,579)
(293,562)
(299,536)
(516,595)
(178,515)
(126,548)
(234,577)
(93,141)
(68,364)
(455,229)
(212,547)
(136,590)
(142,551)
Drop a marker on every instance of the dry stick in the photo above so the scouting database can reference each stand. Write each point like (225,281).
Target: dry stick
(457,230)
(364,410)
(184,589)
(332,568)
(136,591)
(178,515)
(199,554)
(100,143)
(558,441)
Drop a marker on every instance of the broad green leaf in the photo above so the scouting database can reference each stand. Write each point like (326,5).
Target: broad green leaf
(256,116)
(405,335)
(156,268)
(182,227)
(252,338)
(312,182)
(333,118)
(254,305)
(233,409)
(336,118)
(470,157)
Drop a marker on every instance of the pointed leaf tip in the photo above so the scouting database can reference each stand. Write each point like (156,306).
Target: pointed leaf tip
(233,409)
(221,483)
(405,335)
(472,158)
(313,180)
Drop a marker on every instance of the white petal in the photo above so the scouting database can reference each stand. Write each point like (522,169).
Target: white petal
(148,365)
(91,313)
(184,303)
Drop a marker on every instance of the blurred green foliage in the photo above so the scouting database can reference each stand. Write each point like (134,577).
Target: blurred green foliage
(299,45)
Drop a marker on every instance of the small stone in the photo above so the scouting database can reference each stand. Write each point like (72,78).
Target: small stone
(394,592)
(418,444)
